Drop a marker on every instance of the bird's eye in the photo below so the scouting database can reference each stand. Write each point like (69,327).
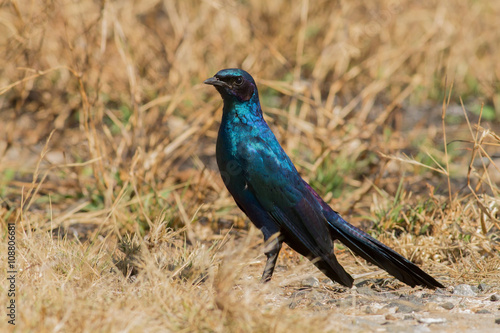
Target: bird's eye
(238,81)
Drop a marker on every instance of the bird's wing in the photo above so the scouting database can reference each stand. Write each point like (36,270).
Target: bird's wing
(275,183)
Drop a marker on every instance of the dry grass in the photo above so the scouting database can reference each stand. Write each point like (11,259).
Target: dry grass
(107,152)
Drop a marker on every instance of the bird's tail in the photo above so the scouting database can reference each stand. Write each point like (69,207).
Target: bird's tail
(379,254)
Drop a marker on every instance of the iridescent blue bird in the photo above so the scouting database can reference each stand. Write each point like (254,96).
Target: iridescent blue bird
(268,189)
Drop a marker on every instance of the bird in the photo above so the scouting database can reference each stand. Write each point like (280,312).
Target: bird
(267,187)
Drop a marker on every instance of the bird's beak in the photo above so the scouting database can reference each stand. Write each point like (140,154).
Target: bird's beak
(215,82)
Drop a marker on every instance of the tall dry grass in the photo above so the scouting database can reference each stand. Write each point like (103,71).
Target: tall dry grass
(107,151)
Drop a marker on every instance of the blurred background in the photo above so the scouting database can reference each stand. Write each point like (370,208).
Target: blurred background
(389,109)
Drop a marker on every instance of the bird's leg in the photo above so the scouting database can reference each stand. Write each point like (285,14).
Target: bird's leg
(272,249)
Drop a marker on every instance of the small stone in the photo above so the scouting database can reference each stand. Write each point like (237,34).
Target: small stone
(483,287)
(447,305)
(483,311)
(497,321)
(369,310)
(432,320)
(464,290)
(495,297)
(390,317)
(311,282)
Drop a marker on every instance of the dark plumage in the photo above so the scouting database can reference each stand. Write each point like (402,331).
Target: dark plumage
(269,190)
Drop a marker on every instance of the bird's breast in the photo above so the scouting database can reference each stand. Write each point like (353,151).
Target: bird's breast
(228,159)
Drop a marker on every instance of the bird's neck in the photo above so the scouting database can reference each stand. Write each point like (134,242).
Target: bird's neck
(248,112)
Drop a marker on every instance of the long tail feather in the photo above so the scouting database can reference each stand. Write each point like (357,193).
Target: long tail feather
(379,254)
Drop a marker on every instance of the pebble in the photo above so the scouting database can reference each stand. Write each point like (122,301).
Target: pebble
(483,311)
(447,305)
(464,290)
(311,282)
(483,287)
(497,321)
(495,297)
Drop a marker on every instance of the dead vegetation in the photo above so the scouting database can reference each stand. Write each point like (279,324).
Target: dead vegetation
(107,143)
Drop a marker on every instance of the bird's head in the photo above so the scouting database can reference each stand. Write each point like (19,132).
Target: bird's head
(233,84)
